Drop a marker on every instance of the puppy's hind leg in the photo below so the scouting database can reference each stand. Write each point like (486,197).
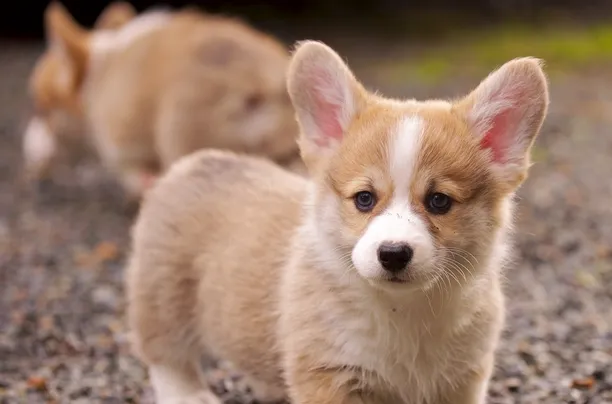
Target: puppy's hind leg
(266,392)
(180,385)
(164,334)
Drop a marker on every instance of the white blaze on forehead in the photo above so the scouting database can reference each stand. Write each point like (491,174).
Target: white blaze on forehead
(398,223)
(403,150)
(39,143)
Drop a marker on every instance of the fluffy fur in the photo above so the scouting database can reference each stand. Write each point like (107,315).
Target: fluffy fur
(153,87)
(238,259)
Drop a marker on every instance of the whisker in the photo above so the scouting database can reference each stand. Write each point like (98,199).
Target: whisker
(456,266)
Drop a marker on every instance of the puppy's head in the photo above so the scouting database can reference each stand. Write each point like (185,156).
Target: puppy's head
(414,192)
(56,81)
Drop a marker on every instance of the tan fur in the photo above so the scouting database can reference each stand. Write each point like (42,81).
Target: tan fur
(55,82)
(235,258)
(187,204)
(115,15)
(194,81)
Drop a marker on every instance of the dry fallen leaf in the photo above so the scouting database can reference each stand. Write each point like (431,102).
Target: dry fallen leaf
(584,383)
(587,279)
(38,383)
(106,251)
(46,323)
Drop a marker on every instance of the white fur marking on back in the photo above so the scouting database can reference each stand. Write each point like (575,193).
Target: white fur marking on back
(397,223)
(105,41)
(39,144)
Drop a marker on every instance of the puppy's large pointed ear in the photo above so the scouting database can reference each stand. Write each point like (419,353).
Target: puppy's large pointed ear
(115,15)
(69,42)
(506,112)
(325,95)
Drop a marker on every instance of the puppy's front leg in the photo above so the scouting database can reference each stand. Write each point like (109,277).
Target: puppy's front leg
(322,387)
(180,385)
(475,388)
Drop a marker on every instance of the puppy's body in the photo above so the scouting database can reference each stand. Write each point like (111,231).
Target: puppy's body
(298,283)
(189,203)
(413,344)
(202,75)
(165,84)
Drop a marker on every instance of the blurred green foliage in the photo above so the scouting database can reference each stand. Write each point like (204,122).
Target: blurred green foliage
(561,47)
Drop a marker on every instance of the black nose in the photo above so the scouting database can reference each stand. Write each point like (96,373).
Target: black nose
(394,257)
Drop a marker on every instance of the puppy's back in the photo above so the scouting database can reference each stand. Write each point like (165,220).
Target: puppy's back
(182,262)
(189,84)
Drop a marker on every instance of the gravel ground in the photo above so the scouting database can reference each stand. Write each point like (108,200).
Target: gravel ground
(62,247)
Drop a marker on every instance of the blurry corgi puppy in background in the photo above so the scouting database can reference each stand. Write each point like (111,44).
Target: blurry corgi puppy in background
(146,89)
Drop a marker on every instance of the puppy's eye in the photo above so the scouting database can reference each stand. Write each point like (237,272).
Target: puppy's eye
(364,201)
(438,203)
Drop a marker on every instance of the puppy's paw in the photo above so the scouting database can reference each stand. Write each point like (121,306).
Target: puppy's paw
(204,397)
(265,393)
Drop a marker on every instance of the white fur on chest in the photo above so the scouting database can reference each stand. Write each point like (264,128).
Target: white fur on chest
(414,349)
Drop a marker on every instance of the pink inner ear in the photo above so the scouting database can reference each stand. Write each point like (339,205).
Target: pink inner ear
(326,113)
(503,130)
(500,136)
(326,117)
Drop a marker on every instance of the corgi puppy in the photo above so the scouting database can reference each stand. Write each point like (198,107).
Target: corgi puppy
(152,87)
(376,281)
